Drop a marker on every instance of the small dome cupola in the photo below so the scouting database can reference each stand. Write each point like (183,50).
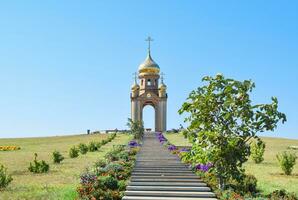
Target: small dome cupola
(149,66)
(135,86)
(162,86)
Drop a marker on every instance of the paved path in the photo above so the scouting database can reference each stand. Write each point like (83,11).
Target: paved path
(160,175)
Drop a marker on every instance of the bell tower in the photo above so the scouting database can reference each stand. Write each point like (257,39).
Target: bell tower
(148,90)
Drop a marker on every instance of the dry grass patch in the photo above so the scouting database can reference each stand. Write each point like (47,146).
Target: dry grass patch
(60,182)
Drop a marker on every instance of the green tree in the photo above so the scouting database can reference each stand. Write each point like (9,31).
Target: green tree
(57,157)
(287,161)
(136,128)
(257,150)
(5,178)
(83,148)
(223,119)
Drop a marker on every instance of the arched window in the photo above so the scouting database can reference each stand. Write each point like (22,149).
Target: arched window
(149,82)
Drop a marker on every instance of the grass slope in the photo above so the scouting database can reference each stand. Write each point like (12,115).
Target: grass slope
(62,179)
(268,173)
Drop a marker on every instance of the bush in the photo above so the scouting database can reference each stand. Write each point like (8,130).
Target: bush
(136,128)
(92,146)
(112,136)
(83,148)
(110,182)
(230,195)
(124,156)
(257,150)
(88,178)
(98,145)
(103,142)
(286,161)
(38,166)
(282,194)
(247,186)
(73,152)
(113,155)
(114,168)
(100,163)
(122,185)
(5,178)
(57,157)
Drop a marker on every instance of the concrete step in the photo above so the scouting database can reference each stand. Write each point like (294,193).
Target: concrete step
(165,198)
(159,164)
(169,194)
(158,159)
(172,178)
(168,188)
(165,179)
(178,184)
(162,167)
(188,174)
(161,161)
(162,171)
(160,175)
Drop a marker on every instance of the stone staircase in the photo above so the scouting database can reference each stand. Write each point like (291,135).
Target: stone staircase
(160,175)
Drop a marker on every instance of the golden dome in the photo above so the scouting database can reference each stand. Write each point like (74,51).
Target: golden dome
(135,86)
(162,86)
(149,66)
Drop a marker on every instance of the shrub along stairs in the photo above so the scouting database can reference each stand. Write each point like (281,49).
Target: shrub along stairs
(160,175)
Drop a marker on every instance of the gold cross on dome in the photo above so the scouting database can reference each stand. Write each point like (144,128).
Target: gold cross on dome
(162,76)
(135,76)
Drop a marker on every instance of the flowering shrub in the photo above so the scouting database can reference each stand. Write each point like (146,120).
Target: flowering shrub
(108,177)
(172,148)
(203,167)
(133,144)
(9,148)
(88,178)
(282,194)
(161,138)
(231,195)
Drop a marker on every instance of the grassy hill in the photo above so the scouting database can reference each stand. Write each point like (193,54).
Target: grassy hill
(62,179)
(268,173)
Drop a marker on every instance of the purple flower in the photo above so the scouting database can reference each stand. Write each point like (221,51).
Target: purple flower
(172,148)
(88,178)
(203,167)
(184,150)
(160,137)
(133,143)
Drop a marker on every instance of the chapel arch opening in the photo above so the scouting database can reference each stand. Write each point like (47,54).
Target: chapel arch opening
(149,117)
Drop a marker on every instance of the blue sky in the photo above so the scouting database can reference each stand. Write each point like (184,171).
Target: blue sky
(66,66)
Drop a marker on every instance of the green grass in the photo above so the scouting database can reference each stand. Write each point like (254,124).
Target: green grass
(177,139)
(270,176)
(62,179)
